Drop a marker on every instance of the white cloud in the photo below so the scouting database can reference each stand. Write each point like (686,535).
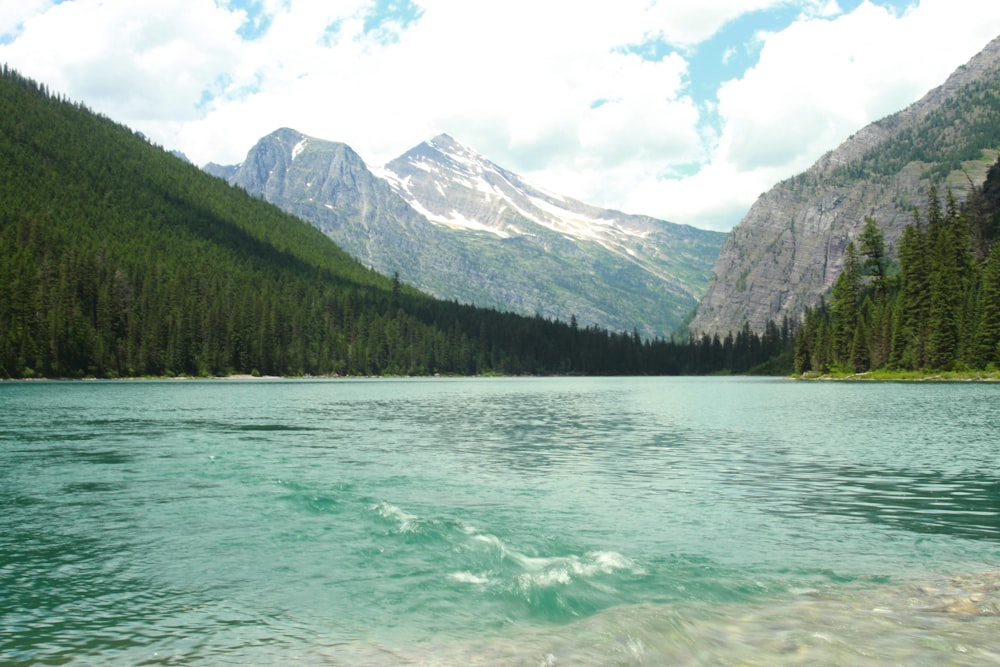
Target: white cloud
(133,61)
(818,81)
(13,15)
(715,197)
(543,88)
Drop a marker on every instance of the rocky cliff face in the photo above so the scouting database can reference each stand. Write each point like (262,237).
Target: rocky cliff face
(789,248)
(636,271)
(459,227)
(329,185)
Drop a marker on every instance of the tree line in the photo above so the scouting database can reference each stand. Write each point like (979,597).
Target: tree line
(935,307)
(121,260)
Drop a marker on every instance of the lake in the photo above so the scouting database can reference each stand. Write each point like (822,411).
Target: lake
(514,521)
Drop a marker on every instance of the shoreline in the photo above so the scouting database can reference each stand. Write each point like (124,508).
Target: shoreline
(248,377)
(902,376)
(812,376)
(238,376)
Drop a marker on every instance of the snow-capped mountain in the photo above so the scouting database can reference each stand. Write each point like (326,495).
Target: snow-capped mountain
(459,227)
(447,181)
(452,185)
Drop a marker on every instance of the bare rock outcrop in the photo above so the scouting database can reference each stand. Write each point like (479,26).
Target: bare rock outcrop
(788,250)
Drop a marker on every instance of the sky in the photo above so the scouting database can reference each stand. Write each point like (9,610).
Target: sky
(685,111)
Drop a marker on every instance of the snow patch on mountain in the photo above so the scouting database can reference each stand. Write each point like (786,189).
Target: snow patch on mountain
(460,227)
(456,220)
(572,223)
(451,184)
(395,181)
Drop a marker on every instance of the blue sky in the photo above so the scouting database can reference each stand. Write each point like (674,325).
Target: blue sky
(684,111)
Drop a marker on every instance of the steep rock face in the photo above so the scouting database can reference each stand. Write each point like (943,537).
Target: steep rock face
(454,186)
(789,248)
(612,269)
(457,226)
(328,184)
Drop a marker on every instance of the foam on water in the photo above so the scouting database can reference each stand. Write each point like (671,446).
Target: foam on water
(405,522)
(469,578)
(553,570)
(510,569)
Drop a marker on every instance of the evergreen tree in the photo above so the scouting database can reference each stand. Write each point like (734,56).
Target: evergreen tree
(873,250)
(860,358)
(909,349)
(943,313)
(987,336)
(844,304)
(881,330)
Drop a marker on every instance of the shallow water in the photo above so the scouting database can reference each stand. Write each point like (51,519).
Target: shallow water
(499,521)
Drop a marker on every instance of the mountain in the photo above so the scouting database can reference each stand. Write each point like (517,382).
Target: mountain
(789,249)
(328,185)
(459,227)
(639,271)
(119,259)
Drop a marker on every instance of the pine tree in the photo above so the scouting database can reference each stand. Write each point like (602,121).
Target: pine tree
(860,357)
(909,349)
(945,302)
(881,330)
(844,305)
(987,336)
(873,250)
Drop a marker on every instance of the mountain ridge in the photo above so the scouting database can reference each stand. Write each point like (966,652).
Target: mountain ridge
(122,260)
(521,203)
(789,248)
(457,226)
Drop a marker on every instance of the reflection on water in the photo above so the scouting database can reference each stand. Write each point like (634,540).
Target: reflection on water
(966,505)
(959,505)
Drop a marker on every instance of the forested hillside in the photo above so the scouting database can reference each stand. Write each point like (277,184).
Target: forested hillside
(947,138)
(117,259)
(458,226)
(121,260)
(938,308)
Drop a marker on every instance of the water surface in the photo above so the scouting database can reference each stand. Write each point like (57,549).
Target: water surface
(499,521)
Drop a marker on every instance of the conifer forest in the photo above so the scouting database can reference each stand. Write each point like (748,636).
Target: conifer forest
(936,307)
(121,260)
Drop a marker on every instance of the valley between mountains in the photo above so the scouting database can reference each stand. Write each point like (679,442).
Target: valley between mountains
(449,221)
(455,225)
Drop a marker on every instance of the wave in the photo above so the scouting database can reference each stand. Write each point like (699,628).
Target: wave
(556,570)
(406,522)
(932,620)
(546,579)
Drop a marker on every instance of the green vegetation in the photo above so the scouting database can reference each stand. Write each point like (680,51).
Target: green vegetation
(887,375)
(949,136)
(119,260)
(745,352)
(937,313)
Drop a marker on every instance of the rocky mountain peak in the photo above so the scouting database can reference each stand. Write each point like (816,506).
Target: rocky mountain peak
(789,248)
(458,226)
(453,185)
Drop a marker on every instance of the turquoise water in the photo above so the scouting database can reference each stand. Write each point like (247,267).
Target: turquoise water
(550,521)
